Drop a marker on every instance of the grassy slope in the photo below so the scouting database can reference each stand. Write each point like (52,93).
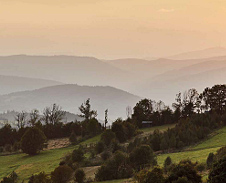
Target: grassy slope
(25,165)
(46,161)
(201,151)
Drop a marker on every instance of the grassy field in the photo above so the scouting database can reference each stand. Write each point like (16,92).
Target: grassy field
(47,161)
(25,165)
(201,151)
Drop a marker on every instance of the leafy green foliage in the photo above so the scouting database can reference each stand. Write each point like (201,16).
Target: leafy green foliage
(118,167)
(167,163)
(32,141)
(107,137)
(99,148)
(86,111)
(142,156)
(210,160)
(79,176)
(73,138)
(218,172)
(12,178)
(42,177)
(153,176)
(78,155)
(61,174)
(215,98)
(184,169)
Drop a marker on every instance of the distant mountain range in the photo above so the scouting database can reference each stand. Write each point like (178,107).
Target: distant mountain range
(205,53)
(66,69)
(158,79)
(201,75)
(70,97)
(9,84)
(145,68)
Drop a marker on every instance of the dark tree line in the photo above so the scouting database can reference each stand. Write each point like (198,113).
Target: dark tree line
(51,124)
(212,100)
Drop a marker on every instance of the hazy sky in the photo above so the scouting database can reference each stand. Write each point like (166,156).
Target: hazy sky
(111,28)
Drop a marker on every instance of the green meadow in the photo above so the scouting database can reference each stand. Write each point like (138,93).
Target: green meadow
(47,161)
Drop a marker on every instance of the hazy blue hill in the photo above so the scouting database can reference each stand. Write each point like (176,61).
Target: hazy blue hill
(70,98)
(66,69)
(9,84)
(144,68)
(167,87)
(205,53)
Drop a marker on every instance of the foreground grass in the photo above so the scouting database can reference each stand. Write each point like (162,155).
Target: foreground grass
(195,155)
(47,161)
(217,139)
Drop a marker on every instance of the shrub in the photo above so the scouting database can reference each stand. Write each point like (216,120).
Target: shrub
(78,155)
(40,178)
(153,176)
(142,156)
(8,148)
(117,167)
(221,153)
(73,138)
(105,155)
(16,146)
(1,149)
(115,146)
(79,176)
(32,141)
(210,160)
(184,169)
(167,162)
(119,129)
(200,167)
(61,174)
(182,180)
(99,148)
(217,174)
(12,178)
(107,137)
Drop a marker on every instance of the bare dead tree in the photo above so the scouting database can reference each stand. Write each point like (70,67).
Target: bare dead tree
(53,114)
(128,111)
(34,117)
(21,119)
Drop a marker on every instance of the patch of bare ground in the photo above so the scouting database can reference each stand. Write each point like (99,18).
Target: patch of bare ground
(90,171)
(57,143)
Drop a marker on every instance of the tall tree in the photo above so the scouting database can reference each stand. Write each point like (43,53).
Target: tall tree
(34,117)
(106,118)
(188,103)
(215,98)
(143,111)
(53,114)
(21,119)
(86,111)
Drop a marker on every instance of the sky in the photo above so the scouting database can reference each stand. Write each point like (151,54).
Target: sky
(111,29)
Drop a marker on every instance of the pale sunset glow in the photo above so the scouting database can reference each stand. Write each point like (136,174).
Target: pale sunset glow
(111,28)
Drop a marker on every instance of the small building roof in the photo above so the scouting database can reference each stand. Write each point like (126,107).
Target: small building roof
(147,122)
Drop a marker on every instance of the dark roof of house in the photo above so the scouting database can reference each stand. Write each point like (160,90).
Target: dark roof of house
(147,122)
